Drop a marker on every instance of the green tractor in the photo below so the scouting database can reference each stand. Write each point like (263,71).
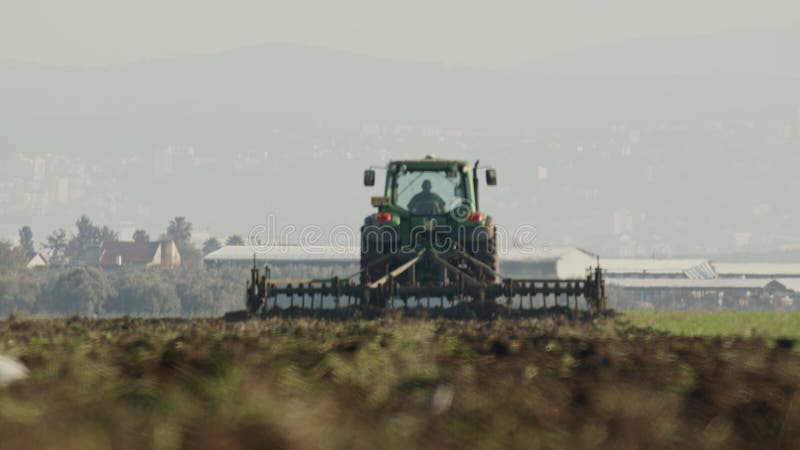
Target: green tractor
(427,241)
(429,204)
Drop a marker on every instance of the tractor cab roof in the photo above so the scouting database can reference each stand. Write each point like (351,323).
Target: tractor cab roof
(429,162)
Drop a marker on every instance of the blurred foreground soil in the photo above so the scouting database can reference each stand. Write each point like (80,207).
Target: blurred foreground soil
(396,382)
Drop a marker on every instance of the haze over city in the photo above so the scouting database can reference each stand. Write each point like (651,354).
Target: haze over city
(469,32)
(625,128)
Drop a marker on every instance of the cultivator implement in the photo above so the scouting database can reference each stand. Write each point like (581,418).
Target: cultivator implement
(398,289)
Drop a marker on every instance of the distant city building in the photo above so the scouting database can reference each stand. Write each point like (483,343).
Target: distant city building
(542,173)
(627,247)
(39,169)
(742,238)
(163,162)
(62,190)
(622,221)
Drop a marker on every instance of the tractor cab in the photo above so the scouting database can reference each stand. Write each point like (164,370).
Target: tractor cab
(427,203)
(429,188)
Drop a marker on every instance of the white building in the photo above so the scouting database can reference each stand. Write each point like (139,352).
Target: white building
(757,270)
(291,261)
(560,262)
(282,254)
(696,269)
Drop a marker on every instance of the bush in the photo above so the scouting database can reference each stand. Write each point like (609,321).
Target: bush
(82,290)
(19,290)
(11,257)
(211,292)
(143,293)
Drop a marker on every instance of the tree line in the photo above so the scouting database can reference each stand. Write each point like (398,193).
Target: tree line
(125,291)
(74,284)
(82,246)
(153,291)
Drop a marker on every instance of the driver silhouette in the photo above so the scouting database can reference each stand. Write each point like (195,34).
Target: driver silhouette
(426,202)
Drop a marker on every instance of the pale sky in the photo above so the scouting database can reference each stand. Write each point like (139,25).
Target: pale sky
(482,33)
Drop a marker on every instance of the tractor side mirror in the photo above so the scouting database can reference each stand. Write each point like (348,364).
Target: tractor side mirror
(491,177)
(369,177)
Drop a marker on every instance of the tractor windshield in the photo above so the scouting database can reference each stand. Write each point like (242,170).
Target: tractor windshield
(430,192)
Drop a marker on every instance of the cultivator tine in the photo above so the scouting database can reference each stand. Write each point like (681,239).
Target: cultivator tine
(468,279)
(398,271)
(478,263)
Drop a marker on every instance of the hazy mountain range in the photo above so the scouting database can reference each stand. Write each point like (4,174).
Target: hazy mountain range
(659,145)
(767,52)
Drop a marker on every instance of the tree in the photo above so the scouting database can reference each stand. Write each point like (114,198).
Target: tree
(84,246)
(82,290)
(196,295)
(180,231)
(26,241)
(87,231)
(141,236)
(57,244)
(211,245)
(235,240)
(209,292)
(191,257)
(11,257)
(144,293)
(107,234)
(19,290)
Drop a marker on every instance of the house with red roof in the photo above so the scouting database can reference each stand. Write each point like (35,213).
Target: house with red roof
(143,254)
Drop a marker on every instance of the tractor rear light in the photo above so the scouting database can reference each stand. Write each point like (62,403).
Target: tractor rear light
(384,217)
(474,216)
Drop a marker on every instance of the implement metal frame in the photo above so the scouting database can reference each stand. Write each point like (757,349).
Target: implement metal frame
(455,286)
